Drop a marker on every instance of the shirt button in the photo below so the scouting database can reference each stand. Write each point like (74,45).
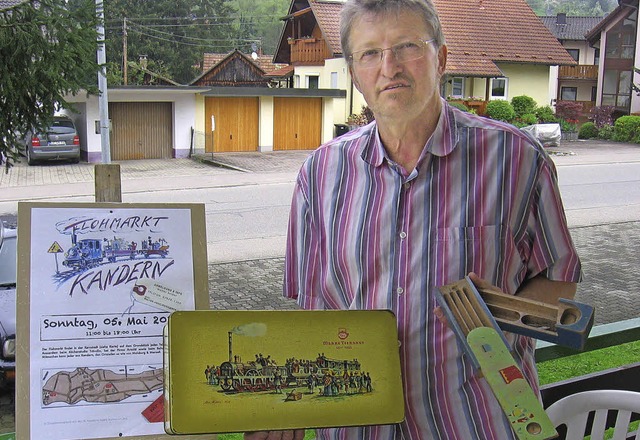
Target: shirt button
(399,290)
(403,235)
(406,185)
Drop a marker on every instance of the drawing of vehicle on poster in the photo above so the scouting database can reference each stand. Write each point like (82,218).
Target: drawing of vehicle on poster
(90,252)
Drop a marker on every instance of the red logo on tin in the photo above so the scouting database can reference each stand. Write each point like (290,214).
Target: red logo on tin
(343,333)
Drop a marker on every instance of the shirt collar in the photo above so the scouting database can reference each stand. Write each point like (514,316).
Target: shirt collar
(441,143)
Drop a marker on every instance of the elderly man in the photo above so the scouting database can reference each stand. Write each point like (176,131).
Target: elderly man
(384,215)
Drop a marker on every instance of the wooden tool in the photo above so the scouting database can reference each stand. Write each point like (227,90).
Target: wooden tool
(472,321)
(567,324)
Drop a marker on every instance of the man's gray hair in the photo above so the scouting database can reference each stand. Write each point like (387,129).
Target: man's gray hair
(354,9)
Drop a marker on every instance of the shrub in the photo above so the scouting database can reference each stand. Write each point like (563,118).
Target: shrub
(523,105)
(588,131)
(500,110)
(545,114)
(602,115)
(568,110)
(529,119)
(459,106)
(567,126)
(605,132)
(627,129)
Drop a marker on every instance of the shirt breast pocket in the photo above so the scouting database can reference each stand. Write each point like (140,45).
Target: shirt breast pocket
(488,250)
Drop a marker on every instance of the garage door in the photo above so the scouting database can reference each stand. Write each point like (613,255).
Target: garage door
(141,130)
(236,124)
(297,123)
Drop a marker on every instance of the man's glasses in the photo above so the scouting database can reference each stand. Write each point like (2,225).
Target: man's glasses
(402,52)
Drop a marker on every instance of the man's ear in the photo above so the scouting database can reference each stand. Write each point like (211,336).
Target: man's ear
(354,79)
(442,60)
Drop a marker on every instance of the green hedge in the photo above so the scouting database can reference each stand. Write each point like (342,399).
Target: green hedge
(627,129)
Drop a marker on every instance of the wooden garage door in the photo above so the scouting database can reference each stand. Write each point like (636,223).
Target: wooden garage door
(141,130)
(297,123)
(236,124)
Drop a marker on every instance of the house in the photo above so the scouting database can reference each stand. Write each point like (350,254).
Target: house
(616,37)
(233,106)
(579,82)
(245,109)
(497,50)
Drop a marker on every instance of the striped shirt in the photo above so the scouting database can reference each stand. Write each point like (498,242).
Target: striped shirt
(365,234)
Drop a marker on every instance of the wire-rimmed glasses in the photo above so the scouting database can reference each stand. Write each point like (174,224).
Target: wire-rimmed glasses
(402,52)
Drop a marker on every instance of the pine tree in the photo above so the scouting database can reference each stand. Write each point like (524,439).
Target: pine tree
(48,50)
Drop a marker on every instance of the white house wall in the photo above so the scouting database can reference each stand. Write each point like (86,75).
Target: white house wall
(528,79)
(265,125)
(184,118)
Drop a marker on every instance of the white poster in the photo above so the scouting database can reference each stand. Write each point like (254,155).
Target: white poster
(102,284)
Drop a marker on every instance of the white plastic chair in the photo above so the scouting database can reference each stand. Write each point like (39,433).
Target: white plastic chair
(574,411)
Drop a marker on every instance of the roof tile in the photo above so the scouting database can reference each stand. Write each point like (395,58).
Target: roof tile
(479,32)
(574,28)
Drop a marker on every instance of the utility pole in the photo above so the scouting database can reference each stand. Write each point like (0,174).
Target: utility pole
(103,102)
(125,69)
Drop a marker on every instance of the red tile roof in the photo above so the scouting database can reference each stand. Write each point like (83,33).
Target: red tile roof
(479,34)
(263,61)
(327,14)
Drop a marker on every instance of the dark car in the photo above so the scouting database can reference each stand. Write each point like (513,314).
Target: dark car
(8,256)
(59,141)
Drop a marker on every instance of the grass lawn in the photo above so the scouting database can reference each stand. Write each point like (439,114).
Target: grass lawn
(589,362)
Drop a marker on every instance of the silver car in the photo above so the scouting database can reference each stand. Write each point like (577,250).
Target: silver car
(8,256)
(60,141)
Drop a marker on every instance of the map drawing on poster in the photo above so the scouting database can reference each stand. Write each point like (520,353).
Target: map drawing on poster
(102,283)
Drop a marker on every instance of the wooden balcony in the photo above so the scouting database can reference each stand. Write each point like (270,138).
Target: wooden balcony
(581,71)
(308,51)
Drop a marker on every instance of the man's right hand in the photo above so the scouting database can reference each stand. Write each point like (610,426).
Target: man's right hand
(298,434)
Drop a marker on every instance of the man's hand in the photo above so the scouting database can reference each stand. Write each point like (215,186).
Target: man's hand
(298,434)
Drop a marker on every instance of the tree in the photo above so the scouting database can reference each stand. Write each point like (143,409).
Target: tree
(48,51)
(174,33)
(573,7)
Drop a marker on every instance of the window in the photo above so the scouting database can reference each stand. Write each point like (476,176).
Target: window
(596,57)
(457,87)
(569,93)
(312,82)
(498,88)
(616,88)
(296,81)
(575,54)
(594,93)
(334,80)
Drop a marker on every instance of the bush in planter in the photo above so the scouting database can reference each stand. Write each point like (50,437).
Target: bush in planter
(545,115)
(627,129)
(500,110)
(588,131)
(523,105)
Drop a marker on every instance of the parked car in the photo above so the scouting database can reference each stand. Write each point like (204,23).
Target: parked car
(59,141)
(8,256)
